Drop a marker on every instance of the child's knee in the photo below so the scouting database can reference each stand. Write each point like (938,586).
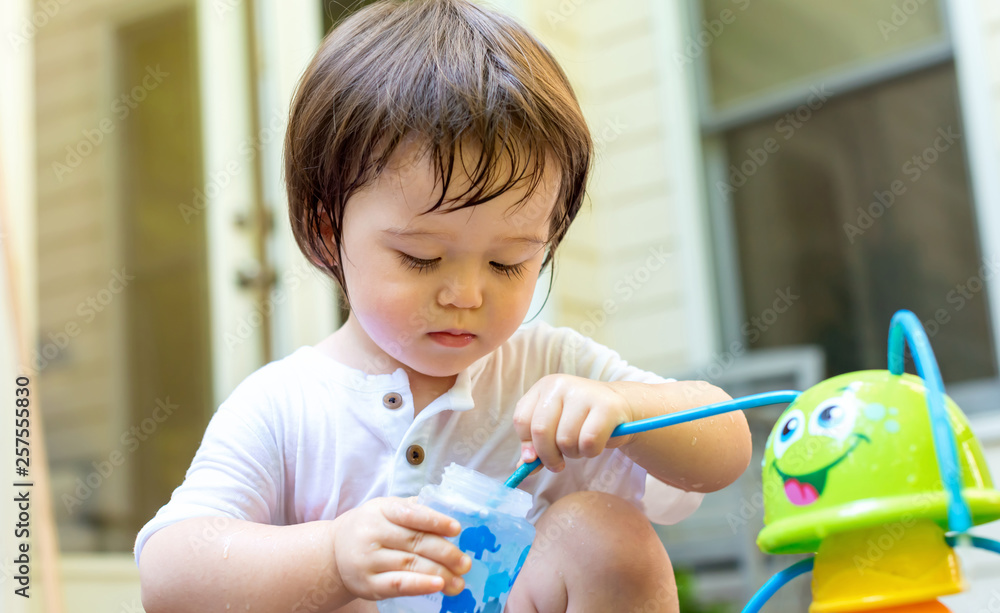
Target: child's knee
(594,528)
(595,550)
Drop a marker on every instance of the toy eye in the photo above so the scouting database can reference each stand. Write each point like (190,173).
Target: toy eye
(834,418)
(831,416)
(789,429)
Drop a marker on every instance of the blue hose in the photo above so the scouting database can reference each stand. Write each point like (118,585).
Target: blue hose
(976,541)
(672,419)
(906,326)
(779,580)
(776,582)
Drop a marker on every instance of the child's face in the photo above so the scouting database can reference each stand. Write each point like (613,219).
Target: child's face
(412,278)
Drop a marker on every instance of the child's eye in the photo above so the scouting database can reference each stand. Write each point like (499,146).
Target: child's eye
(416,263)
(514,271)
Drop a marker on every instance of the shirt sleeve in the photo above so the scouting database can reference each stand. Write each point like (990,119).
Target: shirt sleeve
(662,503)
(236,472)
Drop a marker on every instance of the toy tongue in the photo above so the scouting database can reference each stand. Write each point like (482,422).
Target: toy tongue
(800,494)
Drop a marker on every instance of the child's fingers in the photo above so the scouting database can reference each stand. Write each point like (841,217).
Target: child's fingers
(429,547)
(409,514)
(544,424)
(393,560)
(568,431)
(595,434)
(393,584)
(523,413)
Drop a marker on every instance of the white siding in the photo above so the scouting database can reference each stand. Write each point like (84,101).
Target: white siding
(73,256)
(614,53)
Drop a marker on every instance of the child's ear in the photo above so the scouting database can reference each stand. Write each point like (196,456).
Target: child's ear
(329,257)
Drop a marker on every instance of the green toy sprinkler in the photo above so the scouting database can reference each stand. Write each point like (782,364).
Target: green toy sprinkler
(877,473)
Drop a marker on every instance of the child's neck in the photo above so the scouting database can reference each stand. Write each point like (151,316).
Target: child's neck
(344,347)
(424,395)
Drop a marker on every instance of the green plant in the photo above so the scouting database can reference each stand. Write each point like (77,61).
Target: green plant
(686,595)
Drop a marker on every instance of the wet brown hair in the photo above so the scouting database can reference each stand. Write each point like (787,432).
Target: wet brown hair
(453,74)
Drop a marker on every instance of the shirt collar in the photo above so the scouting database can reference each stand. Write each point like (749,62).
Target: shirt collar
(458,398)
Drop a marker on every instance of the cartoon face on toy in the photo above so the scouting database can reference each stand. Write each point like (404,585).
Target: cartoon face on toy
(829,438)
(851,449)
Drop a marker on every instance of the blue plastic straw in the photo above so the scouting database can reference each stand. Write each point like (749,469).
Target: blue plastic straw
(906,326)
(777,582)
(672,419)
(975,541)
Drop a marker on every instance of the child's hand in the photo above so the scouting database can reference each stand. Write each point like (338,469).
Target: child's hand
(391,547)
(563,415)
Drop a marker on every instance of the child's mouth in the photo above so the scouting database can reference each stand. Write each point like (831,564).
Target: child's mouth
(452,339)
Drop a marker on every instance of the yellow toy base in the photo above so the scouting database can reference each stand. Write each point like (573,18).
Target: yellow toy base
(932,606)
(877,568)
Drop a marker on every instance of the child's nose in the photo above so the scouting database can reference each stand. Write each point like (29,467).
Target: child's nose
(461,292)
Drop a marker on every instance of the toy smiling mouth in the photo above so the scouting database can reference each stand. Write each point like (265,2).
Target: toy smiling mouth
(803,490)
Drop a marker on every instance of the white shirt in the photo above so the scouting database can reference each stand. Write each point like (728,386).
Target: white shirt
(307,438)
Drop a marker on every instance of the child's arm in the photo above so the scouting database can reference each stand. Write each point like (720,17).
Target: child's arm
(564,415)
(387,547)
(704,455)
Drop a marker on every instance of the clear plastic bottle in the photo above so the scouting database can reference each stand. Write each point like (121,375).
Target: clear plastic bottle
(495,534)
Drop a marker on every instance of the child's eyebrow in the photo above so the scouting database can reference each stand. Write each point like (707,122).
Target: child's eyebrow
(408,233)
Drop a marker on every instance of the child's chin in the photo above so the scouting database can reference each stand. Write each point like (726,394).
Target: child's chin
(443,367)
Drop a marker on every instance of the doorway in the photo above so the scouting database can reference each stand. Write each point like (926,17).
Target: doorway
(167,328)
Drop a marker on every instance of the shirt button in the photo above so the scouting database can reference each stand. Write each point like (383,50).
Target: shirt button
(392,401)
(414,454)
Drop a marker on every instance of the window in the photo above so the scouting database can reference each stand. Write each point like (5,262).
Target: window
(838,179)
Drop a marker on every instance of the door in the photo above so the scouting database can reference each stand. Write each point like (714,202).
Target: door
(168,359)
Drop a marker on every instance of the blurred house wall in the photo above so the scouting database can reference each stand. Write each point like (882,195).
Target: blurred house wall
(83,110)
(634,270)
